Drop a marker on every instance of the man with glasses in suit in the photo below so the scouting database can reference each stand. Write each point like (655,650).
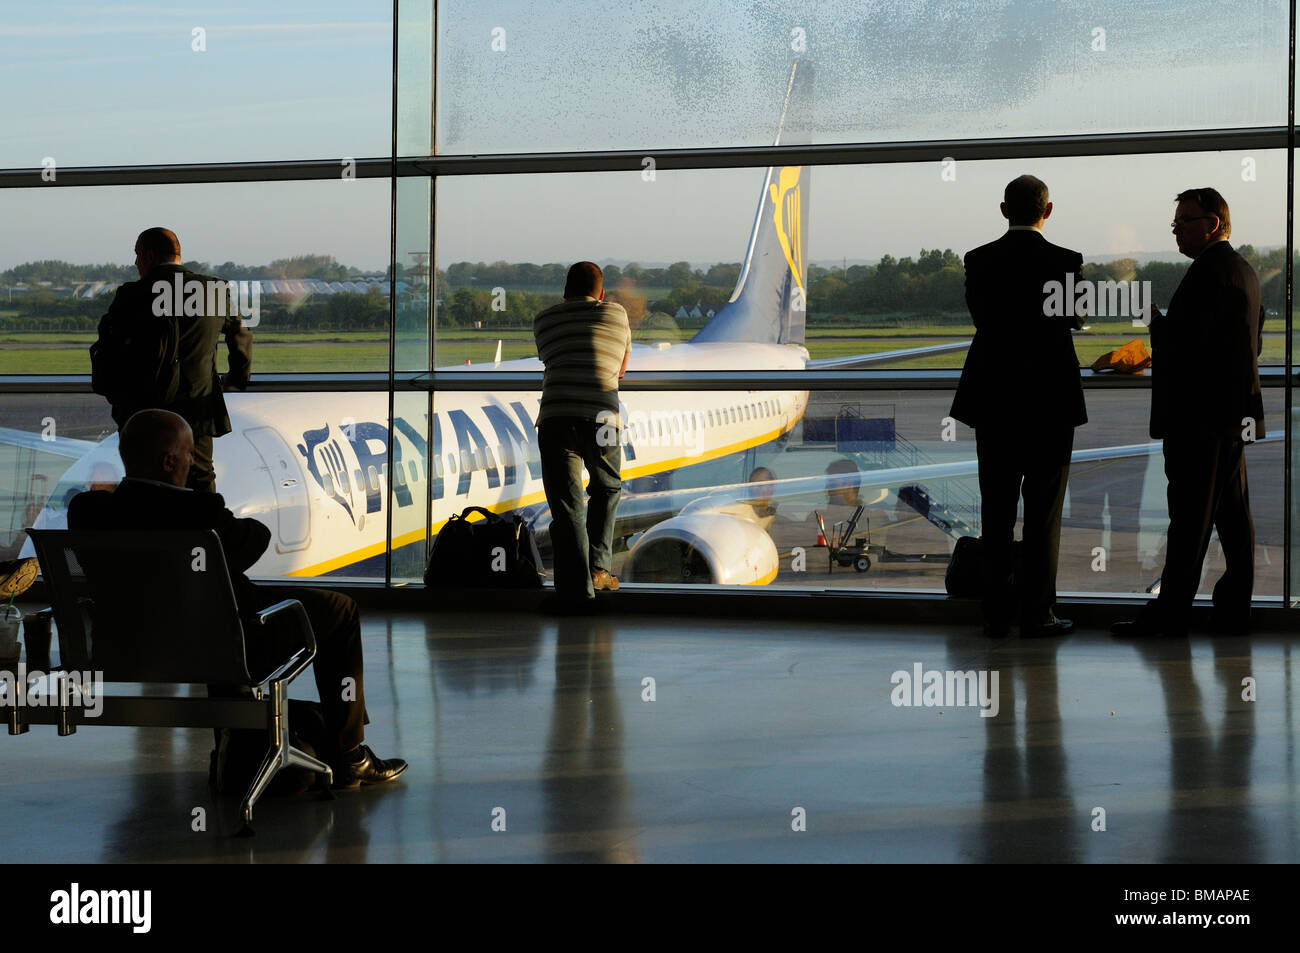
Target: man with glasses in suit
(1206,405)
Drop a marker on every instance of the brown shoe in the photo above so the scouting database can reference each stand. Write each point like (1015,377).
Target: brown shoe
(602,580)
(17,576)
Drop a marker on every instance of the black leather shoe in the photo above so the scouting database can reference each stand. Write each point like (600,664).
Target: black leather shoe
(1046,630)
(367,770)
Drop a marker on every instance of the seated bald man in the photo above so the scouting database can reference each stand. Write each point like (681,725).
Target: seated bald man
(156,446)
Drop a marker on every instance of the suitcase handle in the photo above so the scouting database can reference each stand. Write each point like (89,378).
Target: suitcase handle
(487,514)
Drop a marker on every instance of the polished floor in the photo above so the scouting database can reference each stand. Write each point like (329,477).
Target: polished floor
(707,740)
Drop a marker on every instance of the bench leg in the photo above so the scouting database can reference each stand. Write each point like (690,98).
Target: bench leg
(276,758)
(301,759)
(271,765)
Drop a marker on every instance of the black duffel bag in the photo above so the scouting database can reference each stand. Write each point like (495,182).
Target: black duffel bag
(496,552)
(965,575)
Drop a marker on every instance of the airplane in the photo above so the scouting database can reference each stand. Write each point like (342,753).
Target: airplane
(314,467)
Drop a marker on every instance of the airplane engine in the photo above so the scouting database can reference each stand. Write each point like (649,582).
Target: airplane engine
(703,548)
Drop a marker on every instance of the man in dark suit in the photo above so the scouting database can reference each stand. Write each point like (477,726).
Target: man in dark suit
(1206,405)
(1020,390)
(199,400)
(156,448)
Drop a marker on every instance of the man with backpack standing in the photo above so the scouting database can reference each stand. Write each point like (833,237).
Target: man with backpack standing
(157,347)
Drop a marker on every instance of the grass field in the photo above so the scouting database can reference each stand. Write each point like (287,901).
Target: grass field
(285,352)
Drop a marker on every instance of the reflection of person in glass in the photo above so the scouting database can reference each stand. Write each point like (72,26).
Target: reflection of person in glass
(1020,390)
(1206,405)
(760,494)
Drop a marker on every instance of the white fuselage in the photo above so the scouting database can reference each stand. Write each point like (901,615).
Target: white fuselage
(313,467)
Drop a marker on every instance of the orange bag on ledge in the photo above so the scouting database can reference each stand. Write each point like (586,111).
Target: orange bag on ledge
(1132,358)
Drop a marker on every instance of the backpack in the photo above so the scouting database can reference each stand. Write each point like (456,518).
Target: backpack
(136,362)
(498,552)
(964,577)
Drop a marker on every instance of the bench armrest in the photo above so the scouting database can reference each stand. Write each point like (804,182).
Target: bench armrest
(304,655)
(300,615)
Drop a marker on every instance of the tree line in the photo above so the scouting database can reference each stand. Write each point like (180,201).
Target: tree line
(501,295)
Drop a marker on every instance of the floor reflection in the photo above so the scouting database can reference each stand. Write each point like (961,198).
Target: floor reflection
(584,785)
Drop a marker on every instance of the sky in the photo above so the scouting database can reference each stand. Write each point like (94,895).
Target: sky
(91,84)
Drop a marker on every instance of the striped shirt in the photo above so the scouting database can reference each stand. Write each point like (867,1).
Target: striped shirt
(582,342)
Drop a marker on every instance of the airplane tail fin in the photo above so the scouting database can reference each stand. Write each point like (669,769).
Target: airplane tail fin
(770,300)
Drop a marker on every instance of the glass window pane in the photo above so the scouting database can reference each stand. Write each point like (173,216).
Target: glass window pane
(880,250)
(195,82)
(316,254)
(575,76)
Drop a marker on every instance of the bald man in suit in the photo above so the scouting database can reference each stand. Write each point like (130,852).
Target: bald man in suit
(1020,389)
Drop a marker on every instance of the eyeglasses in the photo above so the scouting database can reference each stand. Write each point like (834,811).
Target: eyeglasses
(1180,222)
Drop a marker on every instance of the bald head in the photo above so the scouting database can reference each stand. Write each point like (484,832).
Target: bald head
(157,445)
(156,246)
(585,280)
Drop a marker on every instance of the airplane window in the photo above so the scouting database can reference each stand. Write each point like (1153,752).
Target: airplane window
(451,463)
(437,467)
(373,476)
(710,418)
(415,472)
(677,424)
(466,461)
(360,480)
(399,474)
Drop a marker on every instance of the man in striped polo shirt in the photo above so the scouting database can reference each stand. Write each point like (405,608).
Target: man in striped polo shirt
(585,343)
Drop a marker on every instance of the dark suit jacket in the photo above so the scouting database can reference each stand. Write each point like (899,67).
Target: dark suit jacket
(144,505)
(1021,370)
(1205,350)
(199,400)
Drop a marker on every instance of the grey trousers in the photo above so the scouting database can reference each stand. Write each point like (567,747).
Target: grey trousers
(582,542)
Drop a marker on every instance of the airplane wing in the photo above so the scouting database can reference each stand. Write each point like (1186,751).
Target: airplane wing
(59,446)
(719,534)
(885,357)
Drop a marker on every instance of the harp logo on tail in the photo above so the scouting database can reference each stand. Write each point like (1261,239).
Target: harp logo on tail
(784,194)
